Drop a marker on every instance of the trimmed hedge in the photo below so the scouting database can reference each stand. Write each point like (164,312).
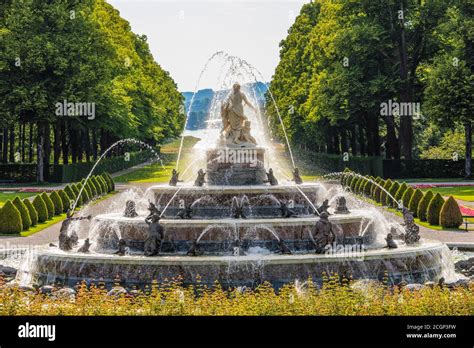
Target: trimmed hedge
(450,215)
(97,185)
(24,213)
(383,194)
(367,188)
(92,187)
(378,191)
(84,195)
(87,188)
(102,183)
(57,203)
(76,195)
(49,205)
(65,199)
(10,219)
(401,192)
(422,210)
(415,201)
(111,184)
(41,208)
(393,192)
(32,211)
(407,196)
(434,209)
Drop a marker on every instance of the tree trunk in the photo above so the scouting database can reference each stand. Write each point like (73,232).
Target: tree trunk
(337,145)
(39,153)
(12,144)
(73,140)
(87,144)
(56,144)
(406,122)
(344,144)
(47,150)
(361,140)
(30,143)
(1,146)
(468,165)
(353,141)
(64,143)
(94,144)
(23,136)
(392,147)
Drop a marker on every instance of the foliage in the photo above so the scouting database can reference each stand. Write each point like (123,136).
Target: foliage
(65,199)
(401,192)
(393,192)
(450,215)
(415,201)
(41,208)
(10,219)
(422,210)
(57,202)
(173,299)
(407,196)
(384,198)
(32,211)
(434,209)
(49,204)
(24,213)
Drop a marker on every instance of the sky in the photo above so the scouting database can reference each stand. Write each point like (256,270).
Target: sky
(183,34)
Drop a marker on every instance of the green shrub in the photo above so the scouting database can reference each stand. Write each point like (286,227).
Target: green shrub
(87,188)
(393,191)
(110,181)
(41,208)
(407,196)
(49,205)
(401,192)
(97,185)
(450,215)
(75,189)
(374,186)
(70,192)
(92,188)
(84,196)
(360,184)
(65,199)
(103,184)
(24,213)
(57,203)
(378,191)
(367,188)
(383,194)
(32,211)
(10,219)
(434,209)
(354,183)
(415,201)
(422,211)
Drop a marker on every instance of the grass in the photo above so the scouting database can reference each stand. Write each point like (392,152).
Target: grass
(155,172)
(464,193)
(5,196)
(430,180)
(336,297)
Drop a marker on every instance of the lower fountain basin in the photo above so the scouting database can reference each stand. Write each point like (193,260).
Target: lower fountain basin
(418,263)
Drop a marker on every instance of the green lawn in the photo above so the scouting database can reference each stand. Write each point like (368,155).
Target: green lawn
(5,196)
(465,193)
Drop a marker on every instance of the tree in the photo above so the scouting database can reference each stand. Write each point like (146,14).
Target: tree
(10,219)
(450,215)
(434,209)
(449,79)
(423,205)
(24,213)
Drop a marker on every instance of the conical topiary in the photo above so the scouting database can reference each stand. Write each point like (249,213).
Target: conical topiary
(49,205)
(434,209)
(65,199)
(76,195)
(367,188)
(450,215)
(87,188)
(103,184)
(40,207)
(110,181)
(393,191)
(422,211)
(84,195)
(415,201)
(32,211)
(407,196)
(383,194)
(70,192)
(10,219)
(378,191)
(400,192)
(24,213)
(98,186)
(374,186)
(92,188)
(57,203)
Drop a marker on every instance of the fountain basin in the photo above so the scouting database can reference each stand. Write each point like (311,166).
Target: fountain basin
(135,230)
(418,263)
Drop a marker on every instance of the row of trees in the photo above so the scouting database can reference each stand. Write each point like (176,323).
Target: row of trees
(74,79)
(342,61)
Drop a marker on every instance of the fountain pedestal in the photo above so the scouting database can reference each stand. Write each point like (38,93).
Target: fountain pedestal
(236,166)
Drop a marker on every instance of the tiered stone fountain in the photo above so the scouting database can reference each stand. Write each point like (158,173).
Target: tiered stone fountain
(241,227)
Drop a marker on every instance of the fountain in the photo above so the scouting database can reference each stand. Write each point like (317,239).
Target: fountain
(241,222)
